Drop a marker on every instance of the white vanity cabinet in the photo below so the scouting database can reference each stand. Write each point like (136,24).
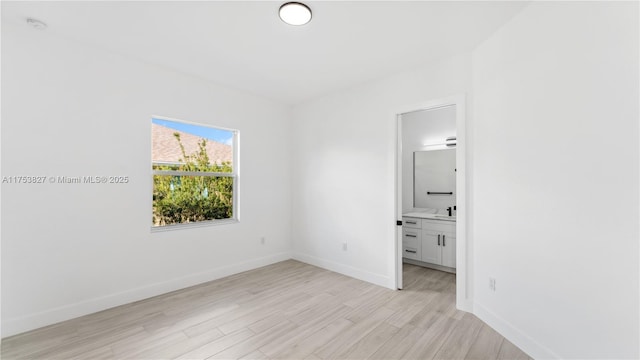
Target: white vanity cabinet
(429,242)
(439,242)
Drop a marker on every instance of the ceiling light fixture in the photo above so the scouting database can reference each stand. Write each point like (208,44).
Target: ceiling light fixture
(295,13)
(37,24)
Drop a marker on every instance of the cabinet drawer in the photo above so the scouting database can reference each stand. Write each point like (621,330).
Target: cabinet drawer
(440,226)
(412,238)
(411,222)
(411,253)
(411,234)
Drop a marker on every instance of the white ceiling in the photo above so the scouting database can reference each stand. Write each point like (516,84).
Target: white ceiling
(244,45)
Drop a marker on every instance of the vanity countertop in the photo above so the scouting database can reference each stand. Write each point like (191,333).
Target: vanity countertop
(434,214)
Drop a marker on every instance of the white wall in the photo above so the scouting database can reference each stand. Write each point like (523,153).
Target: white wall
(556,180)
(419,128)
(73,249)
(344,168)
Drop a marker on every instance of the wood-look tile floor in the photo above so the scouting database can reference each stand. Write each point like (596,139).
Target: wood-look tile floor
(288,310)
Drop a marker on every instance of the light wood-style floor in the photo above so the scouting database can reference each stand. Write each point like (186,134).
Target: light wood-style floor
(288,310)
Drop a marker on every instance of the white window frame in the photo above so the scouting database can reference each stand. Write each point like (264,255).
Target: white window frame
(235,174)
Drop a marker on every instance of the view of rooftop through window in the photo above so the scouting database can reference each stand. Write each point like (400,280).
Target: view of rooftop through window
(194,178)
(167,150)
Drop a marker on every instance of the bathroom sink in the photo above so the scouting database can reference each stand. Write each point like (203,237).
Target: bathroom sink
(428,214)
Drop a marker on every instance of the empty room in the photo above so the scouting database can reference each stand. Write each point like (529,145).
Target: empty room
(320,180)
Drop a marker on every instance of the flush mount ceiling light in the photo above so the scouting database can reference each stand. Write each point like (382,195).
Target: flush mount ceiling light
(295,13)
(37,24)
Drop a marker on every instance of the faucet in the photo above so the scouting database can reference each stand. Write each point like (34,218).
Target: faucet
(449,209)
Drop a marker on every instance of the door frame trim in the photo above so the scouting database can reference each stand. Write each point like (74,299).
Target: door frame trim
(464,274)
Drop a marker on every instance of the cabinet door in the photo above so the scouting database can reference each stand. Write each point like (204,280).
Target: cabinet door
(448,249)
(431,252)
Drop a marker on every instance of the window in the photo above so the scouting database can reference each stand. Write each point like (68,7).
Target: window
(195,173)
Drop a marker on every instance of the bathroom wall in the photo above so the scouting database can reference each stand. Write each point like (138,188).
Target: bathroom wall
(419,128)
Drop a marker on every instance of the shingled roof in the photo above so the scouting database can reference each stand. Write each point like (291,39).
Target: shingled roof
(165,147)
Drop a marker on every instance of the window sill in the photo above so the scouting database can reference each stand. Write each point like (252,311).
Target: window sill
(193,225)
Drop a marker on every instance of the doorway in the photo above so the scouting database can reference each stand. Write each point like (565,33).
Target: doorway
(430,206)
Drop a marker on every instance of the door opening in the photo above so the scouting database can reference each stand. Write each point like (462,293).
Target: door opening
(430,191)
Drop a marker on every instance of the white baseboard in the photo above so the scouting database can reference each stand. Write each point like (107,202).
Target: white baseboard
(464,305)
(517,337)
(48,317)
(347,270)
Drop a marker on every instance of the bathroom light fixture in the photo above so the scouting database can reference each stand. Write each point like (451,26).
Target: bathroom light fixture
(295,13)
(36,24)
(448,142)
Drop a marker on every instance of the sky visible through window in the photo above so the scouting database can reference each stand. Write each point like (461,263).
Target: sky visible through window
(219,135)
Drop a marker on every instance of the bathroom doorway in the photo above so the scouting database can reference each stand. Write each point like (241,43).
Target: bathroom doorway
(431,196)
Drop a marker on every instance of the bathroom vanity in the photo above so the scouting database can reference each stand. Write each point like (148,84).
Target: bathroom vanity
(429,225)
(429,240)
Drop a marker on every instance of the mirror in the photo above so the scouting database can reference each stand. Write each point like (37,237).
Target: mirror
(434,179)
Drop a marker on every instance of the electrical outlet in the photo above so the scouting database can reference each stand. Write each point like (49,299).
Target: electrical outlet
(263,240)
(344,246)
(492,284)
